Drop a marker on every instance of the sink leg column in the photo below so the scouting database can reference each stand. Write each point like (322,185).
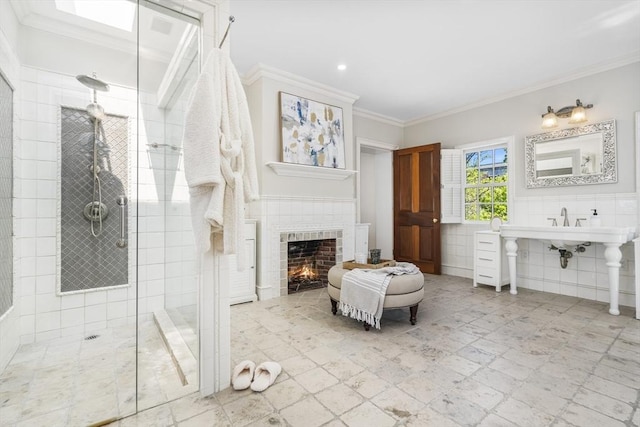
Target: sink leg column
(511,246)
(613,256)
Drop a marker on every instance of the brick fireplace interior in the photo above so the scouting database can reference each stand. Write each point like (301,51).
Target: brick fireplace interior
(308,264)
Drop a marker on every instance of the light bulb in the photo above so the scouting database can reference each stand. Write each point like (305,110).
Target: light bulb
(550,120)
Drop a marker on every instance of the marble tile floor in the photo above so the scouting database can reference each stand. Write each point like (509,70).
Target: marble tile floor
(475,357)
(82,381)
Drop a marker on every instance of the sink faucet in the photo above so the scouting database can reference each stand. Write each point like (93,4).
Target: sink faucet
(563,213)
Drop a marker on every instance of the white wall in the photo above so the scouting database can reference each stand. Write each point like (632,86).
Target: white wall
(376,176)
(294,203)
(378,128)
(384,203)
(367,196)
(376,198)
(263,86)
(616,95)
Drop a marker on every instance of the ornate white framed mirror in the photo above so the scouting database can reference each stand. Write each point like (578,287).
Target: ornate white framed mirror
(576,156)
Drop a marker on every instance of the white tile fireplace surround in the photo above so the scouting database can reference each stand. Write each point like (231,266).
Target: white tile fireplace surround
(302,236)
(283,218)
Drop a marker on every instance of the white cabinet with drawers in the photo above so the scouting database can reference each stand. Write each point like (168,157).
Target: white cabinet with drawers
(243,283)
(489,260)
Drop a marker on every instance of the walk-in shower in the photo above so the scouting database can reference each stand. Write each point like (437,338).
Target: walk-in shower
(104,266)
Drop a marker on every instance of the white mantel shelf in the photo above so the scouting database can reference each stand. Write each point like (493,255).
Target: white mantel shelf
(306,171)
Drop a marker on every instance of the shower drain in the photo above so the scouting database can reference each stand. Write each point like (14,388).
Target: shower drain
(92,337)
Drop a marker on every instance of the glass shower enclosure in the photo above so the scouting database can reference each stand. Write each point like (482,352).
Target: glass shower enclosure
(100,281)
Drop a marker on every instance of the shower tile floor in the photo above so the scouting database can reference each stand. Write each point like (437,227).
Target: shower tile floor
(76,383)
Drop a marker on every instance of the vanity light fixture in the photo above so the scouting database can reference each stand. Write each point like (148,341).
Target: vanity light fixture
(577,114)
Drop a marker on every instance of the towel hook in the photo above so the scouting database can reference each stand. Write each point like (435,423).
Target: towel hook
(232,19)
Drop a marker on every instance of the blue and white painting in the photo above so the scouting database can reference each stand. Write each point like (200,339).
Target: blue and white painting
(312,132)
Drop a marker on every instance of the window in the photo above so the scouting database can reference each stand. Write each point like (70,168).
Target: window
(115,13)
(486,183)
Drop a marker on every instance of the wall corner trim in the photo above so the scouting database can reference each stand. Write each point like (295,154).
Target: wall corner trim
(366,114)
(261,71)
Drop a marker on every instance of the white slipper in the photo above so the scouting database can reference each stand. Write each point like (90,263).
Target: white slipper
(265,375)
(243,375)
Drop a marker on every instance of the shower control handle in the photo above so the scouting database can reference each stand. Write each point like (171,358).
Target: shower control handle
(122,202)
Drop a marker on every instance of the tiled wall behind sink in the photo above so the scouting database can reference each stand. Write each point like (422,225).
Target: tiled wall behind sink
(538,268)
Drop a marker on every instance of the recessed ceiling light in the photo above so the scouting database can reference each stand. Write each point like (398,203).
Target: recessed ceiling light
(115,13)
(342,67)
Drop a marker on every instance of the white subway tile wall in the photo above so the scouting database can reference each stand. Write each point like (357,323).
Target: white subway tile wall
(166,257)
(586,276)
(278,214)
(10,322)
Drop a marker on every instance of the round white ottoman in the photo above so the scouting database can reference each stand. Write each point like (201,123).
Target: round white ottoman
(405,290)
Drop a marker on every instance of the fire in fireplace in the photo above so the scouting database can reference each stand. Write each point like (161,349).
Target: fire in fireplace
(308,264)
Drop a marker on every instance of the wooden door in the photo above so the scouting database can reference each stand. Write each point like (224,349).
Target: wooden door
(416,207)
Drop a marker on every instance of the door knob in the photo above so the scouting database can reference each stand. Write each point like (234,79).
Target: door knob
(435,220)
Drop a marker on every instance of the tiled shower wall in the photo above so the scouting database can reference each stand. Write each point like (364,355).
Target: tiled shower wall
(181,286)
(44,314)
(79,248)
(10,321)
(6,194)
(538,268)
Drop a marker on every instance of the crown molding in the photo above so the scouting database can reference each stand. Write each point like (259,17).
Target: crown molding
(585,72)
(366,114)
(260,71)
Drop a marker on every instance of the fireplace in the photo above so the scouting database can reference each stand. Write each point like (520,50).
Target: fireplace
(308,264)
(318,250)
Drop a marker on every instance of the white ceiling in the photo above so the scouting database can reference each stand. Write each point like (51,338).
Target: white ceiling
(159,34)
(410,59)
(406,59)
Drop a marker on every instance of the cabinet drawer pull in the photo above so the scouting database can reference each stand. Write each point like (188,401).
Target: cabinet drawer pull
(485,259)
(484,275)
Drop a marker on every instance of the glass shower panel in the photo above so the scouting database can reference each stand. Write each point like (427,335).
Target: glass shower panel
(6,195)
(168,332)
(75,277)
(105,284)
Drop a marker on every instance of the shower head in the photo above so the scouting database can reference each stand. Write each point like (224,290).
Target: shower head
(93,82)
(94,109)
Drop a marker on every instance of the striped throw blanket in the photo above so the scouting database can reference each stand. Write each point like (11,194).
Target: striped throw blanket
(362,291)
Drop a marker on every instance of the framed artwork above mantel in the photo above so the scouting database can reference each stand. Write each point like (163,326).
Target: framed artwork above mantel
(311,132)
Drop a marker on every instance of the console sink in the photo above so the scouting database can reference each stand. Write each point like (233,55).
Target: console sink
(563,237)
